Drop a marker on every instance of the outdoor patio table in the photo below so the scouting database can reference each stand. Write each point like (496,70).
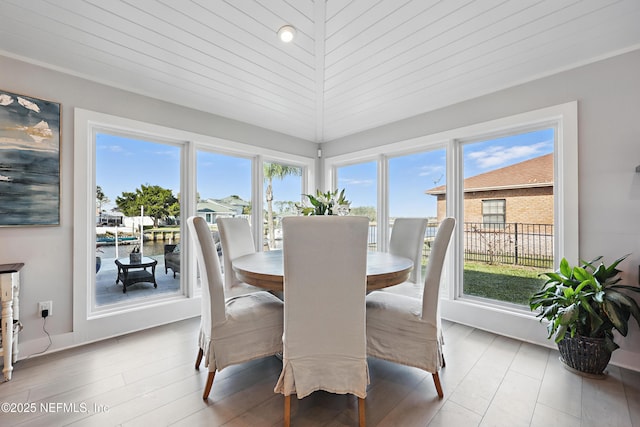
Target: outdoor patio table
(130,273)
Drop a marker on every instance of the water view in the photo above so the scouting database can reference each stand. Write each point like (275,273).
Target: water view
(149,249)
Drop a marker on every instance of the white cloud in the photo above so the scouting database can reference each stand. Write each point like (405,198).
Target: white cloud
(168,153)
(431,170)
(349,181)
(497,156)
(116,149)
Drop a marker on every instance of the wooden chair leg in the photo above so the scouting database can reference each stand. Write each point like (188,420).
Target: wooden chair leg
(361,415)
(207,387)
(199,359)
(436,381)
(287,411)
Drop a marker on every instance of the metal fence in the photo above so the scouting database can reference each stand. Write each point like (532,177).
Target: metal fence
(510,243)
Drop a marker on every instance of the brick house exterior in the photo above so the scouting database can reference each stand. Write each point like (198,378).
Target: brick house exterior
(525,187)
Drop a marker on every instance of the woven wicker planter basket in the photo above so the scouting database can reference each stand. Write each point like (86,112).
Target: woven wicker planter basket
(584,354)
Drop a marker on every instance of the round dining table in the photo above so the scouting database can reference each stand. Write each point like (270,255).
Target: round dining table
(266,269)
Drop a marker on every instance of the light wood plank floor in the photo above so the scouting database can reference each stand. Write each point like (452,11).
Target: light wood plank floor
(148,379)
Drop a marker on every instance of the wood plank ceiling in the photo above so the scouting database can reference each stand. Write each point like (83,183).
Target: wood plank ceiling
(353,65)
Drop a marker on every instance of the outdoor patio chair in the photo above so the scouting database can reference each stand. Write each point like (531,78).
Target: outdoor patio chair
(172,258)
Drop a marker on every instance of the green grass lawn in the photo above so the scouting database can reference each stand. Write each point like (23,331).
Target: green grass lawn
(509,283)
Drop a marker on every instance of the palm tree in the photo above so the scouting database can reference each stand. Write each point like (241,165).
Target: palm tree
(271,171)
(101,199)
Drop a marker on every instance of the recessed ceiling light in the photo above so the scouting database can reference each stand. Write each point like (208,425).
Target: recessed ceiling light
(286,33)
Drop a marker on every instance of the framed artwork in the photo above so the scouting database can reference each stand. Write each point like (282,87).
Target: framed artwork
(29,161)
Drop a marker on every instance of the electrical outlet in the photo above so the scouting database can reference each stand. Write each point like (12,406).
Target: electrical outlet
(45,305)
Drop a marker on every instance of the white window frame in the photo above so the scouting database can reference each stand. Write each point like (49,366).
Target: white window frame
(501,319)
(331,180)
(94,325)
(308,183)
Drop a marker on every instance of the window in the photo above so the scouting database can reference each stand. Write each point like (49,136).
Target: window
(502,259)
(118,163)
(493,213)
(417,188)
(283,188)
(483,177)
(360,182)
(223,185)
(137,195)
(223,189)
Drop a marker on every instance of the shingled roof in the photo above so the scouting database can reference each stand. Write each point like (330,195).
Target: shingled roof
(536,172)
(211,205)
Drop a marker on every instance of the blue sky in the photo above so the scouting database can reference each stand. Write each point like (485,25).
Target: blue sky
(411,175)
(124,164)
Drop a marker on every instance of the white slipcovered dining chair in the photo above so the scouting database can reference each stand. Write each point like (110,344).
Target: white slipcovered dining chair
(236,240)
(407,240)
(233,330)
(324,341)
(407,330)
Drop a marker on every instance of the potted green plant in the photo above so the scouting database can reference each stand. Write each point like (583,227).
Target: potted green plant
(328,203)
(583,305)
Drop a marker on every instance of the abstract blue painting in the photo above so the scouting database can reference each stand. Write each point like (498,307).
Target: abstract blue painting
(29,161)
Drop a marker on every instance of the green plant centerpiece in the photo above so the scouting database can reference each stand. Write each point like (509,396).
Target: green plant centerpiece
(583,305)
(327,203)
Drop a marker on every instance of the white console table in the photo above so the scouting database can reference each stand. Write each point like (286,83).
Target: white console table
(10,290)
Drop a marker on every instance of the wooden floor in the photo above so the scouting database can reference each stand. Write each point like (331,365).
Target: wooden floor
(148,379)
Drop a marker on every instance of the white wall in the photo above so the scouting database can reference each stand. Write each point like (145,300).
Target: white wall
(47,251)
(608,95)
